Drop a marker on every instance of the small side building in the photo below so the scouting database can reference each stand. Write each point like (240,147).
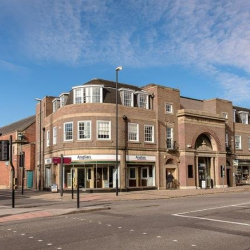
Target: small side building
(23,134)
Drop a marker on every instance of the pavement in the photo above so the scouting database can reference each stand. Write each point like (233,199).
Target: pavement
(55,205)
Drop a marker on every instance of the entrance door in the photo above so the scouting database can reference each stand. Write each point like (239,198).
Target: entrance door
(98,178)
(48,177)
(81,173)
(29,179)
(228,178)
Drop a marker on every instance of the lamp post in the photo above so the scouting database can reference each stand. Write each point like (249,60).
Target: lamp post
(116,125)
(40,144)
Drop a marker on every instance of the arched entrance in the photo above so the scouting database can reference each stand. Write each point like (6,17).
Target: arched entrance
(171,174)
(204,159)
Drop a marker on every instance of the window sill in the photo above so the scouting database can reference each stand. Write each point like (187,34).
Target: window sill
(149,143)
(134,142)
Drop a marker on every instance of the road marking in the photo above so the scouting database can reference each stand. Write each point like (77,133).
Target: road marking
(40,240)
(158,236)
(193,245)
(145,233)
(131,230)
(31,237)
(108,225)
(22,234)
(49,244)
(14,231)
(99,222)
(213,208)
(59,248)
(9,229)
(215,220)
(175,240)
(119,227)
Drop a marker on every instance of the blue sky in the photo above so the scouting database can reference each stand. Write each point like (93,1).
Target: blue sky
(49,46)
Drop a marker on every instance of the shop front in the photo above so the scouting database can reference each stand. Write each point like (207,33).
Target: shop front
(242,173)
(140,171)
(93,171)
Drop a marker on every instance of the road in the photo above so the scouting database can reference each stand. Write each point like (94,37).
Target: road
(220,221)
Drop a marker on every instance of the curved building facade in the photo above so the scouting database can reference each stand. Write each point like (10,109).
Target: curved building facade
(160,134)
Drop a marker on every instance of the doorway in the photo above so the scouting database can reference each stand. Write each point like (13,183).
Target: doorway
(204,172)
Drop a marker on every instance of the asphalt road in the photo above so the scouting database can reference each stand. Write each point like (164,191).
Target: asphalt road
(208,222)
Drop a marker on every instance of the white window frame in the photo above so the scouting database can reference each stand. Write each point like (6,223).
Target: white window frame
(98,130)
(64,131)
(63,99)
(132,126)
(244,117)
(234,115)
(48,138)
(129,92)
(237,141)
(225,115)
(85,94)
(144,178)
(54,135)
(139,95)
(78,130)
(167,111)
(132,178)
(226,139)
(152,135)
(170,137)
(56,104)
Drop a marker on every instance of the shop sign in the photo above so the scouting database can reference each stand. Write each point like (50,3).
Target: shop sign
(47,161)
(93,157)
(57,160)
(140,158)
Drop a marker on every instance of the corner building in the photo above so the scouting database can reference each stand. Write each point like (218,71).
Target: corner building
(203,144)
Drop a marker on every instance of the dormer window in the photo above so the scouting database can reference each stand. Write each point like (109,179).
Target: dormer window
(56,104)
(127,97)
(142,100)
(63,99)
(244,117)
(88,94)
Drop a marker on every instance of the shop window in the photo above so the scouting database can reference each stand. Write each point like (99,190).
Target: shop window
(190,171)
(89,174)
(144,174)
(133,132)
(68,131)
(132,173)
(150,172)
(105,174)
(103,130)
(149,133)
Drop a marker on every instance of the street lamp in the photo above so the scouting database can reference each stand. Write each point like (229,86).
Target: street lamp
(116,125)
(40,147)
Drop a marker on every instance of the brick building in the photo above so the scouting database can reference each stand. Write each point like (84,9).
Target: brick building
(24,141)
(202,143)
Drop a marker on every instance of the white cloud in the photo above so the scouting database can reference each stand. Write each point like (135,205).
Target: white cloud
(207,35)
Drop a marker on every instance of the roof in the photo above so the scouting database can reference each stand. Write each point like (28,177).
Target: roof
(111,84)
(20,125)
